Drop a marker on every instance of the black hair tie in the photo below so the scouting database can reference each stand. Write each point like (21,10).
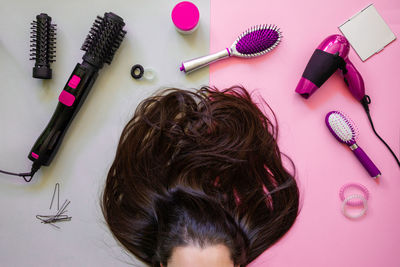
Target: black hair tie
(134,71)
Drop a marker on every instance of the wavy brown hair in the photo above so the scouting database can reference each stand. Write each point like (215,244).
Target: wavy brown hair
(199,168)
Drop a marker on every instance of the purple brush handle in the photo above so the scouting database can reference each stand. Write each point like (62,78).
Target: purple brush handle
(366,162)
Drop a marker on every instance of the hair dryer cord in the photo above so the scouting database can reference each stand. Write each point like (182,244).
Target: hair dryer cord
(365,102)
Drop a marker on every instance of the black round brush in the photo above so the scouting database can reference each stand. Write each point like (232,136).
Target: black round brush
(100,45)
(43,42)
(103,40)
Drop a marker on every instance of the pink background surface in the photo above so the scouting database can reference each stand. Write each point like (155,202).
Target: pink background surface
(322,236)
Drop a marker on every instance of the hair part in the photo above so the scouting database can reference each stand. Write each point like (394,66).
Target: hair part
(190,218)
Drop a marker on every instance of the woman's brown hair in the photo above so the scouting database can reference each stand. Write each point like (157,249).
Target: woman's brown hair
(187,156)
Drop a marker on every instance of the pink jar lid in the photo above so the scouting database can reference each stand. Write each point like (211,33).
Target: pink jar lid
(185,16)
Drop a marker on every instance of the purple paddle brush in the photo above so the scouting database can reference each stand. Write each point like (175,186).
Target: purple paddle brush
(343,130)
(256,41)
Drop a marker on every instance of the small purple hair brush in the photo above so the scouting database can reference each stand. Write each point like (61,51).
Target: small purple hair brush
(256,41)
(343,130)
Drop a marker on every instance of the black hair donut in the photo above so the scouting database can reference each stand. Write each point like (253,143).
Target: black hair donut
(134,73)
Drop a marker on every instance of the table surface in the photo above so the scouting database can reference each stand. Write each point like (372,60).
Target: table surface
(321,236)
(82,163)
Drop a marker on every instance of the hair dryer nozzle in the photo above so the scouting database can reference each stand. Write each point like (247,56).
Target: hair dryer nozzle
(305,87)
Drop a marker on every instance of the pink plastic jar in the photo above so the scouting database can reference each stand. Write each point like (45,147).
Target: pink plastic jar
(185,17)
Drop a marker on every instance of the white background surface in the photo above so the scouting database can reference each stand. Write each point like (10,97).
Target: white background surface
(81,164)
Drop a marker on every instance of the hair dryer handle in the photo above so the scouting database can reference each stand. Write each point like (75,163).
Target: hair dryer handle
(354,80)
(366,162)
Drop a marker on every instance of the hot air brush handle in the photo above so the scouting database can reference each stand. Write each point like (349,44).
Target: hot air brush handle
(70,100)
(365,161)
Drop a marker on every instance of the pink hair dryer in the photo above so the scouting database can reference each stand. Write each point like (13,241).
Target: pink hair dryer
(329,56)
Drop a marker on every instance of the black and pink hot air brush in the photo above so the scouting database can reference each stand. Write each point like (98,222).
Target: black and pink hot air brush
(256,41)
(100,45)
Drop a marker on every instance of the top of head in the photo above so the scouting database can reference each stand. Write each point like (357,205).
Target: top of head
(103,39)
(341,127)
(257,41)
(335,44)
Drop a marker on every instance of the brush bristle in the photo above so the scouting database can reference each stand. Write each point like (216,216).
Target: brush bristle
(258,40)
(342,127)
(103,39)
(43,40)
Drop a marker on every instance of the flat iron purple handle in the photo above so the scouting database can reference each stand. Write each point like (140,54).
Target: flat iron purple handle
(366,162)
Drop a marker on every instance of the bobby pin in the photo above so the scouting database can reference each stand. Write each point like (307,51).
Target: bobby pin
(60,216)
(56,188)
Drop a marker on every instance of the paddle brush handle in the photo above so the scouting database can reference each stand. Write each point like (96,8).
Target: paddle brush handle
(366,161)
(197,63)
